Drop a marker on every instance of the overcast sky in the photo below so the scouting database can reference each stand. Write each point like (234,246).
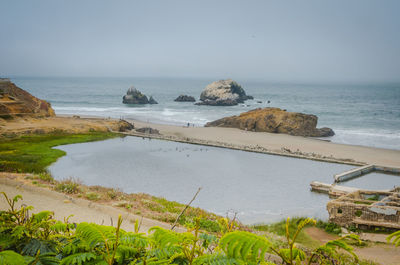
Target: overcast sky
(269,40)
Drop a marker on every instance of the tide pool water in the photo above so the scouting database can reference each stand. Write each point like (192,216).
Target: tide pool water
(360,114)
(259,187)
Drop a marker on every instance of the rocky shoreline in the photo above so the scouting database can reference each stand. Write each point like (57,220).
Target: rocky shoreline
(275,120)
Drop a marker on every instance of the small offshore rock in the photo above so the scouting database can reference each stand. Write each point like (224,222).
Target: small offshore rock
(152,100)
(185,98)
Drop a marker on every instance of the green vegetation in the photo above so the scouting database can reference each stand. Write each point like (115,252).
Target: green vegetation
(93,196)
(69,186)
(374,198)
(279,228)
(32,154)
(39,239)
(331,228)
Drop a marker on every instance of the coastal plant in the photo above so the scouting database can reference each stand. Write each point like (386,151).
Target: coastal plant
(93,196)
(39,239)
(70,186)
(46,176)
(394,238)
(331,228)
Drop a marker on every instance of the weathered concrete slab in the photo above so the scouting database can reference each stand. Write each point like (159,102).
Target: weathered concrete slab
(353,173)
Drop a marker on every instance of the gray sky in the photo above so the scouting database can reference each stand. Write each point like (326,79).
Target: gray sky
(337,40)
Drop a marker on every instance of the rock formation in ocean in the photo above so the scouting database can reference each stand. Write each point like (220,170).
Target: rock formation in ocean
(134,96)
(152,100)
(15,101)
(275,120)
(185,98)
(223,93)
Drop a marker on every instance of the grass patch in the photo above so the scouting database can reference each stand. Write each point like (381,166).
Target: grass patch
(34,153)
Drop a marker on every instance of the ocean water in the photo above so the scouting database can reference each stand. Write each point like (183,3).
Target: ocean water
(360,114)
(260,188)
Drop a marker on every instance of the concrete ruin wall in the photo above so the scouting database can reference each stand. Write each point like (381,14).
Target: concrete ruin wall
(354,209)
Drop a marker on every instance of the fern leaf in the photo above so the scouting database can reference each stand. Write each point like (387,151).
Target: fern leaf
(45,259)
(396,238)
(136,240)
(164,253)
(297,254)
(163,237)
(331,246)
(42,216)
(95,234)
(124,253)
(10,257)
(78,258)
(216,259)
(75,246)
(244,245)
(7,240)
(35,246)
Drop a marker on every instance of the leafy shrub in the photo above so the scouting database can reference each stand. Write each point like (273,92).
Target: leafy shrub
(70,186)
(112,194)
(331,228)
(93,196)
(45,176)
(39,239)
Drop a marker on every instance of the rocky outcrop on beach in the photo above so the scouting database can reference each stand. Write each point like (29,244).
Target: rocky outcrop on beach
(148,130)
(275,120)
(185,98)
(223,93)
(15,101)
(124,126)
(134,96)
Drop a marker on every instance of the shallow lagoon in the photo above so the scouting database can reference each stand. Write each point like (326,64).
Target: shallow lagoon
(259,187)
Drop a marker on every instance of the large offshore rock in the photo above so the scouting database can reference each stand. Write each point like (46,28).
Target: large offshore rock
(223,93)
(275,120)
(134,96)
(15,101)
(185,98)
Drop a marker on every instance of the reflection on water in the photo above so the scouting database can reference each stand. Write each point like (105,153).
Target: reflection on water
(260,187)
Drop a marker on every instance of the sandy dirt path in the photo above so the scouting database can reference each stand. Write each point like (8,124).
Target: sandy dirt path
(43,199)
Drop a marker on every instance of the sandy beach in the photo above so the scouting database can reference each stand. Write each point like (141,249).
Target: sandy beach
(279,144)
